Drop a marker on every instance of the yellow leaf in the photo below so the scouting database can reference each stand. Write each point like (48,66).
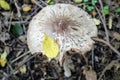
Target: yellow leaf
(3,59)
(4,5)
(96,21)
(4,55)
(26,8)
(78,1)
(3,62)
(23,69)
(50,47)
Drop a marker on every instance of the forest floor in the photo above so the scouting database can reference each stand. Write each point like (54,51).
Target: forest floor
(17,63)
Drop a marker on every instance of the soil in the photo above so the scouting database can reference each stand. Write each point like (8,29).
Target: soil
(103,59)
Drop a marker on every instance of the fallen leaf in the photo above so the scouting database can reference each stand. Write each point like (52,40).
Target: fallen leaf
(90,8)
(117,9)
(85,0)
(16,29)
(3,59)
(4,5)
(78,1)
(23,38)
(23,69)
(96,21)
(26,8)
(51,2)
(94,2)
(106,9)
(94,12)
(50,47)
(116,35)
(108,2)
(91,75)
(33,1)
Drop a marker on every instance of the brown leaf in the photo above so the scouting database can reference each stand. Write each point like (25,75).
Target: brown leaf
(91,75)
(116,35)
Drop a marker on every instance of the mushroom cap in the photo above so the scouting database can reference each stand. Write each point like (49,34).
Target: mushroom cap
(72,26)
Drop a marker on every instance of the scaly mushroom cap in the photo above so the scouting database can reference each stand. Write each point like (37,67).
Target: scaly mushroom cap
(70,25)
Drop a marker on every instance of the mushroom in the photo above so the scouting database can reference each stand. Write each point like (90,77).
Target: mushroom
(71,27)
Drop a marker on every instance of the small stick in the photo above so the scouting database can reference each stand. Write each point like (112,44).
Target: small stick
(104,24)
(18,9)
(109,66)
(13,72)
(19,15)
(36,2)
(23,63)
(103,21)
(93,57)
(20,57)
(108,44)
(44,2)
(11,16)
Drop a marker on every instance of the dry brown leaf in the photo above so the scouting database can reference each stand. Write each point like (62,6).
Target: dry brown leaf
(91,75)
(116,35)
(94,12)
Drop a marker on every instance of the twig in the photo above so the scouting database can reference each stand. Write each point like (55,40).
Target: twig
(13,72)
(92,57)
(103,21)
(102,10)
(36,2)
(19,14)
(11,16)
(13,22)
(108,44)
(18,9)
(33,13)
(29,69)
(23,63)
(109,66)
(44,2)
(20,57)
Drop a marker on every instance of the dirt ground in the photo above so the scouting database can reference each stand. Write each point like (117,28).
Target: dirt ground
(19,64)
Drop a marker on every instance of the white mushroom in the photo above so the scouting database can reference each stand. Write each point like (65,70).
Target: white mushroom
(71,26)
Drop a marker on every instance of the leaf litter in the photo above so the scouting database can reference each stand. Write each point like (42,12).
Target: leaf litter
(102,59)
